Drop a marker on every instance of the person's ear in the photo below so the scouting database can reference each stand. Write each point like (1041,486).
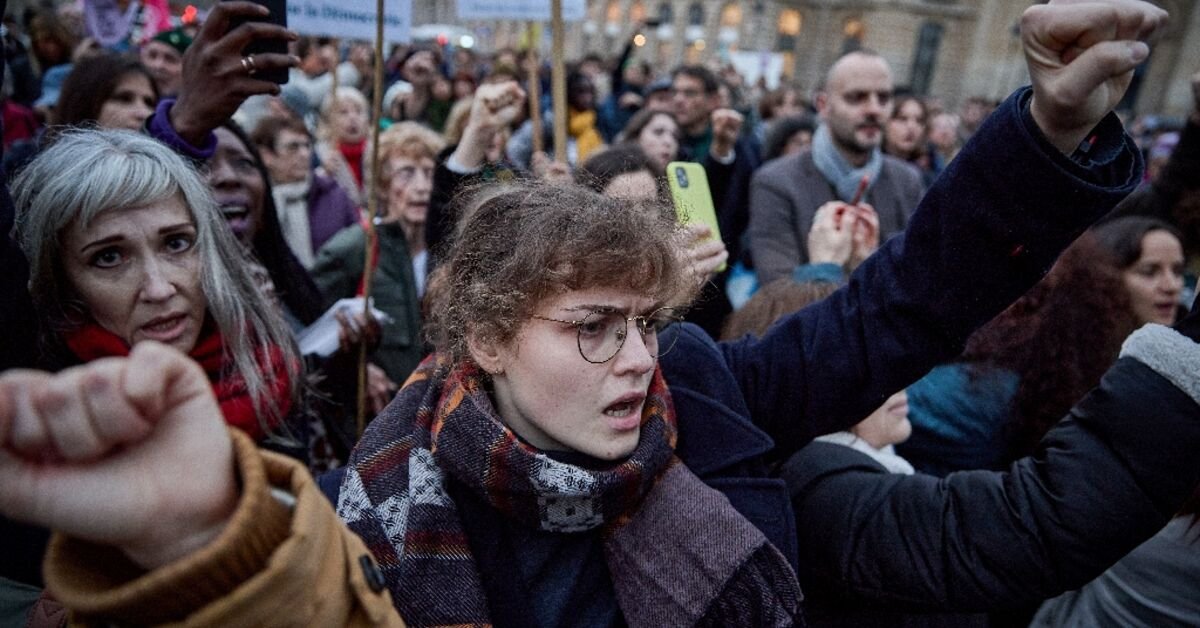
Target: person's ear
(489,355)
(822,102)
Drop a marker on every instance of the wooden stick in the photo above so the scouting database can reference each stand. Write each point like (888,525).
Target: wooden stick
(372,212)
(535,90)
(333,85)
(558,82)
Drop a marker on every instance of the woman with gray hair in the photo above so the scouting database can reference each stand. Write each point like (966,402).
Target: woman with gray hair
(125,244)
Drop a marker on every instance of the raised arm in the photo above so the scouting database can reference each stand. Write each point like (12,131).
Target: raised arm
(161,513)
(217,79)
(494,108)
(988,229)
(1104,480)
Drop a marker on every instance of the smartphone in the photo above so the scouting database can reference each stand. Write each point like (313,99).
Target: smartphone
(692,198)
(278,9)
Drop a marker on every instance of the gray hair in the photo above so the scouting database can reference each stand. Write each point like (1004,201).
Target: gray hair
(87,172)
(329,104)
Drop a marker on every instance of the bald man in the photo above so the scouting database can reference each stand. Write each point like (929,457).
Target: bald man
(853,106)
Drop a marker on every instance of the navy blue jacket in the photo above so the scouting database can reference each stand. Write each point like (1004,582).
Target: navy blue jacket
(989,229)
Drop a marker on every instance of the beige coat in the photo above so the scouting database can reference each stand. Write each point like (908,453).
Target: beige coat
(272,565)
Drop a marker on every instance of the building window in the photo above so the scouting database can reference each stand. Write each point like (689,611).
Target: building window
(694,34)
(665,14)
(853,31)
(637,12)
(788,28)
(612,14)
(731,15)
(929,40)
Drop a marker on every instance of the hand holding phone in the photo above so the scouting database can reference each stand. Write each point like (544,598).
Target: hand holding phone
(265,43)
(216,75)
(693,200)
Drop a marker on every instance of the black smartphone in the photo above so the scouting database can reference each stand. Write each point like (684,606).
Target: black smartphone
(278,9)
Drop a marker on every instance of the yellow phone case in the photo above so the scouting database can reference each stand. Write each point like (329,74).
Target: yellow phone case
(692,199)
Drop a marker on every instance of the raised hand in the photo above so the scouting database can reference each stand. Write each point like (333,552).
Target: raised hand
(1081,57)
(702,253)
(545,168)
(864,233)
(130,452)
(726,124)
(216,81)
(495,107)
(357,328)
(830,239)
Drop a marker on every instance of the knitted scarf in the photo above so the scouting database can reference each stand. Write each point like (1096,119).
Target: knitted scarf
(92,342)
(844,177)
(676,548)
(353,154)
(582,126)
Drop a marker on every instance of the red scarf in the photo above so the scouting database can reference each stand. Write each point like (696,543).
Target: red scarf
(354,158)
(92,342)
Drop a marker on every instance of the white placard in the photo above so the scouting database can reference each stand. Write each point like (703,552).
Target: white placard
(321,338)
(528,10)
(350,19)
(752,65)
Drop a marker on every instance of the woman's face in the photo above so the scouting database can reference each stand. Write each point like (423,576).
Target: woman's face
(659,139)
(129,105)
(554,399)
(790,105)
(906,128)
(887,425)
(409,188)
(349,121)
(237,185)
(797,143)
(138,273)
(1155,280)
(633,186)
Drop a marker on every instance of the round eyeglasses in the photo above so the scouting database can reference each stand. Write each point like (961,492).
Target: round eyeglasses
(602,333)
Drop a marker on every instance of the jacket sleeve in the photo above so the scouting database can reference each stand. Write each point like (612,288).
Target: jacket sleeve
(990,227)
(440,221)
(273,565)
(772,236)
(1105,479)
(338,267)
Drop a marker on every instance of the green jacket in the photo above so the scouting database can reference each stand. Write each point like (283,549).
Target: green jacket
(338,270)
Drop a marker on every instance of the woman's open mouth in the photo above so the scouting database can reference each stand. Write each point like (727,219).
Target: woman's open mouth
(625,414)
(165,329)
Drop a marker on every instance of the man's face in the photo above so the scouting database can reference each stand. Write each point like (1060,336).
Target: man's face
(691,104)
(857,102)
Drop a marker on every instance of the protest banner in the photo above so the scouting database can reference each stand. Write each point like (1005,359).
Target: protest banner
(350,19)
(525,10)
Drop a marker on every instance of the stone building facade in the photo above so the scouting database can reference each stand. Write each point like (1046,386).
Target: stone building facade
(947,48)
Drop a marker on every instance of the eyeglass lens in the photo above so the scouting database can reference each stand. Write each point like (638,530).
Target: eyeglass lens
(602,334)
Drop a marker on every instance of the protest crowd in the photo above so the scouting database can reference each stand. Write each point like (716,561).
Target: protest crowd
(348,351)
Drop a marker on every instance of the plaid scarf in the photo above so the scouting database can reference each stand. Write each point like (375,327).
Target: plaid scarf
(660,523)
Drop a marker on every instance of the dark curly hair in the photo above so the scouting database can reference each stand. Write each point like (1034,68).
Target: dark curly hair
(1060,338)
